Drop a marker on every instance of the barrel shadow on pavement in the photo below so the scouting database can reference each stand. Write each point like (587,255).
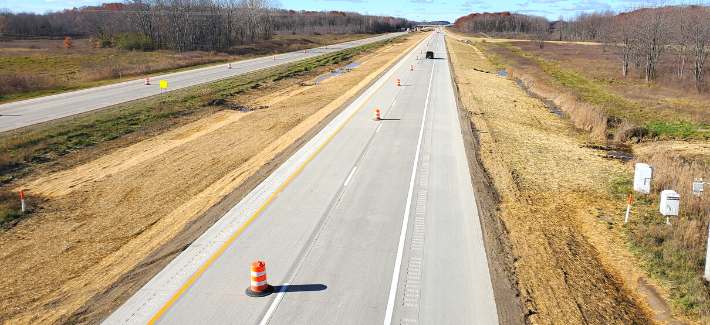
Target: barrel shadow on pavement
(302,287)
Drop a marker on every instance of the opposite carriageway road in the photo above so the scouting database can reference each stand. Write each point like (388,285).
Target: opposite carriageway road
(42,109)
(370,222)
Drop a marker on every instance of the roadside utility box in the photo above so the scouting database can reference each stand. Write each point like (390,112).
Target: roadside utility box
(643,173)
(669,203)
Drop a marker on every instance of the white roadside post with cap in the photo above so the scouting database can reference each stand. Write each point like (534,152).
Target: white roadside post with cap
(698,190)
(643,174)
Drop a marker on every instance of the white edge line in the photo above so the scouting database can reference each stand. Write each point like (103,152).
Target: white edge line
(130,306)
(378,128)
(405,222)
(347,180)
(271,310)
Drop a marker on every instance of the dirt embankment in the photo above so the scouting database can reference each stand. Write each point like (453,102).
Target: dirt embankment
(98,229)
(551,190)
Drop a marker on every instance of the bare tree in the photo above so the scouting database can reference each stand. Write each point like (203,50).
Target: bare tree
(625,40)
(680,23)
(5,24)
(698,38)
(654,34)
(540,30)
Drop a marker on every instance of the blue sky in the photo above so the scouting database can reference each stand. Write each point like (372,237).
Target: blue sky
(411,9)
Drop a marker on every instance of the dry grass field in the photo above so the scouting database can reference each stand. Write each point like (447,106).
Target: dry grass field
(31,68)
(664,124)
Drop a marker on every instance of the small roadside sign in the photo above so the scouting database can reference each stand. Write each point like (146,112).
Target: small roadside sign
(163,84)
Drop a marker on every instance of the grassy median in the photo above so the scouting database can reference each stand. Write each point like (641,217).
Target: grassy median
(40,144)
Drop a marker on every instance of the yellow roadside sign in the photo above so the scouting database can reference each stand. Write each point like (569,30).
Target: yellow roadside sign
(163,84)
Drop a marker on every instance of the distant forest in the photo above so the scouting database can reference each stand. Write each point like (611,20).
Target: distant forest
(186,25)
(639,37)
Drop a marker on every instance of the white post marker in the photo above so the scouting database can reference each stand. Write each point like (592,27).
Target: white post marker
(628,208)
(22,199)
(707,257)
(698,190)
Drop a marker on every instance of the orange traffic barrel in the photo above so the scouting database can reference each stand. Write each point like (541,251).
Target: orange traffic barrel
(259,287)
(398,84)
(274,57)
(147,82)
(411,67)
(377,115)
(229,65)
(417,58)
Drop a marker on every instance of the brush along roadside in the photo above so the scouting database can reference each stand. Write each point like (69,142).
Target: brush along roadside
(674,258)
(568,267)
(102,228)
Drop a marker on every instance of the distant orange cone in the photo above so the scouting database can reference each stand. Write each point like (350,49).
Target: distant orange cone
(377,115)
(229,65)
(147,82)
(398,84)
(259,287)
(274,57)
(411,67)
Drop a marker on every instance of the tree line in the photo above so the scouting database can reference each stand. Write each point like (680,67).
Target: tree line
(639,37)
(185,25)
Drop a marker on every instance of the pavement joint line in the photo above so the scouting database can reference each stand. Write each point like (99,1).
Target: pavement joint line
(410,192)
(197,274)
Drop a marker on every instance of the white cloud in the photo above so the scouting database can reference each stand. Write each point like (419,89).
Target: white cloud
(423,1)
(588,5)
(547,1)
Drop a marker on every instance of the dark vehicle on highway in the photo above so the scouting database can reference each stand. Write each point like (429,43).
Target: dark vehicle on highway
(429,54)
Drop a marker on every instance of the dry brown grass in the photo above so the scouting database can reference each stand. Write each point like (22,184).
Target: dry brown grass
(586,117)
(625,131)
(673,171)
(674,256)
(116,70)
(35,67)
(550,188)
(666,98)
(23,83)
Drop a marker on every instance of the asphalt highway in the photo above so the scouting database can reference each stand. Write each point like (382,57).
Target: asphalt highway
(371,222)
(42,109)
